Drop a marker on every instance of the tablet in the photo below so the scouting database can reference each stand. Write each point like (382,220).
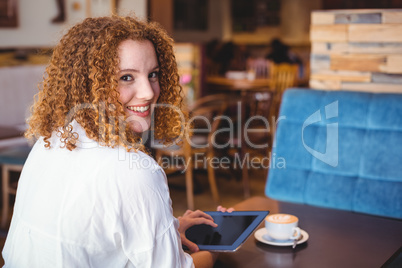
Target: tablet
(395,261)
(232,231)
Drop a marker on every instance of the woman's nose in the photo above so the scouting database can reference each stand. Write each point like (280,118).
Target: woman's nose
(146,90)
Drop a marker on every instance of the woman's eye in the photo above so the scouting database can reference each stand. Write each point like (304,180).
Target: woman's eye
(126,78)
(153,75)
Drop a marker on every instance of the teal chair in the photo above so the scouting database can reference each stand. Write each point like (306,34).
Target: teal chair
(339,149)
(11,159)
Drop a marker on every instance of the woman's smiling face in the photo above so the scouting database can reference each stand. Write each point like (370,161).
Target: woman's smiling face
(138,82)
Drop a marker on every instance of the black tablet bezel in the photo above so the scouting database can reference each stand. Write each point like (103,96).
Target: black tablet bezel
(260,216)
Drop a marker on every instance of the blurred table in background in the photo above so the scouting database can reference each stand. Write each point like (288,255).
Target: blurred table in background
(242,85)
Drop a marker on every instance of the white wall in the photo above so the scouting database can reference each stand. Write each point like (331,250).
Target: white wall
(36,29)
(18,85)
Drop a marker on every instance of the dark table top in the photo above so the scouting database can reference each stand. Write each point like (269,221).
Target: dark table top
(336,239)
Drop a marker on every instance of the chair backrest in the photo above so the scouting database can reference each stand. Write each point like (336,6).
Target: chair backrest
(207,112)
(283,76)
(15,155)
(340,150)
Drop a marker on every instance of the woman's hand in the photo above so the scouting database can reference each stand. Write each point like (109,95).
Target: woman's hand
(189,219)
(197,217)
(222,209)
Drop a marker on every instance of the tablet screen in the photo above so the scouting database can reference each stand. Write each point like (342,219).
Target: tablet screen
(233,229)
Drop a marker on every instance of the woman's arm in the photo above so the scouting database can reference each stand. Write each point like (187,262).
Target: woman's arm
(204,259)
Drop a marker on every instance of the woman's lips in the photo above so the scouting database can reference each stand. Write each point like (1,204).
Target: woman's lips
(139,110)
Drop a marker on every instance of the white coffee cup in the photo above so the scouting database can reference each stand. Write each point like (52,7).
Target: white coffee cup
(282,226)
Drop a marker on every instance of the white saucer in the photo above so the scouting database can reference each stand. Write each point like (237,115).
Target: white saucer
(262,236)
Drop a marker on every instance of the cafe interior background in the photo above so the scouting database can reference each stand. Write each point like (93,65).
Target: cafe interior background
(213,38)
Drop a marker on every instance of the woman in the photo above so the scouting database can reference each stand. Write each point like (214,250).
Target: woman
(89,194)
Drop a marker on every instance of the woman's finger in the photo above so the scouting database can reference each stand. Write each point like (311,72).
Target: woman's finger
(199,213)
(191,246)
(223,209)
(188,212)
(197,221)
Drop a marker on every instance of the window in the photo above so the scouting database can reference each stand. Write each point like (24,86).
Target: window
(8,13)
(191,15)
(248,15)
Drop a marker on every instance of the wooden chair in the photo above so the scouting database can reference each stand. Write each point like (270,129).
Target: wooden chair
(283,76)
(267,101)
(258,141)
(264,106)
(205,117)
(259,100)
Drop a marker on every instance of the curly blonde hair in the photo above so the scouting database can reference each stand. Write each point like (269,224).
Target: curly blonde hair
(80,84)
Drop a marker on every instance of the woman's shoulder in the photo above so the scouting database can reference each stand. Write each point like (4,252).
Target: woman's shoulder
(136,161)
(90,154)
(138,176)
(138,168)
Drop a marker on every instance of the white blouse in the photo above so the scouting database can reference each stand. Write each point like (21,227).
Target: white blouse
(92,207)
